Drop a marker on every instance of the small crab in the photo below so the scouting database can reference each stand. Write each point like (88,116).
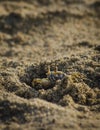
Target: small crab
(52,78)
(55,75)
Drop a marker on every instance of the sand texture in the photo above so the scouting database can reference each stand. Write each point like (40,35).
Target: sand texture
(35,34)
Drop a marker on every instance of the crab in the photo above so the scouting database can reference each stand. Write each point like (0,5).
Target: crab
(52,78)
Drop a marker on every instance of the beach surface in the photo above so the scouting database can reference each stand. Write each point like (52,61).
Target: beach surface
(35,34)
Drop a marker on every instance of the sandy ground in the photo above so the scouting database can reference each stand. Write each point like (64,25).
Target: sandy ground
(35,34)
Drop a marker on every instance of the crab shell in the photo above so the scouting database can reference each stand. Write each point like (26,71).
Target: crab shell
(54,76)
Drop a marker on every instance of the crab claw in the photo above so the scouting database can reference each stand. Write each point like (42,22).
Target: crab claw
(41,83)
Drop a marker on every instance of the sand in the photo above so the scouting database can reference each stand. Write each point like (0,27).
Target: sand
(35,34)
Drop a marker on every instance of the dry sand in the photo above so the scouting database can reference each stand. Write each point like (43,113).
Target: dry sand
(38,33)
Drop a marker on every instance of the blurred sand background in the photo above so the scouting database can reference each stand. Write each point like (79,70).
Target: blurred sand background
(38,33)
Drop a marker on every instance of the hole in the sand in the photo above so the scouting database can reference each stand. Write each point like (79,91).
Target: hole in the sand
(51,93)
